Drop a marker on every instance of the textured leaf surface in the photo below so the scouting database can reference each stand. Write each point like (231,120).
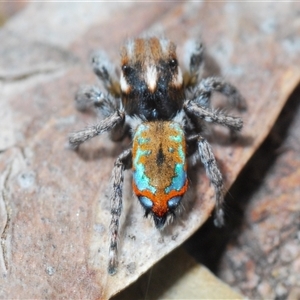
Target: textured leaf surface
(263,262)
(54,202)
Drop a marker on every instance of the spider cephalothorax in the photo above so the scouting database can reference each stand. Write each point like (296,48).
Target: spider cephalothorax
(150,72)
(164,111)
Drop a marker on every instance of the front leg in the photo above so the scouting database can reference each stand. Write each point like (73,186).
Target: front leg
(213,173)
(194,62)
(123,162)
(106,72)
(202,93)
(90,96)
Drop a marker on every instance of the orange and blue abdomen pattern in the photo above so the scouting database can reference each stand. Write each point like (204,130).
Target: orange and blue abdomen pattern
(159,164)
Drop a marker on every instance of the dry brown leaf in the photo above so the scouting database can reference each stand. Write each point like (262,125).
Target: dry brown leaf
(264,261)
(54,203)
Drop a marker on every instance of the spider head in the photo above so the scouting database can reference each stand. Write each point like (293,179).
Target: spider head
(151,79)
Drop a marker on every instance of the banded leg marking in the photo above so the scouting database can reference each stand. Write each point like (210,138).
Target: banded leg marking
(208,85)
(233,123)
(122,163)
(213,173)
(76,138)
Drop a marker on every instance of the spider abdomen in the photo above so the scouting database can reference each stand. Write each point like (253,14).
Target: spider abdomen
(159,167)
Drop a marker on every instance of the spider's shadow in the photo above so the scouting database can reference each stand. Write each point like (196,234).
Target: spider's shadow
(220,137)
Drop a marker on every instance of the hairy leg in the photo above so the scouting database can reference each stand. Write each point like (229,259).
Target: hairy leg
(213,173)
(90,96)
(123,162)
(106,72)
(76,138)
(194,109)
(194,61)
(202,92)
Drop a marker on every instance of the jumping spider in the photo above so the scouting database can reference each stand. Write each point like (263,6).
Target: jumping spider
(163,110)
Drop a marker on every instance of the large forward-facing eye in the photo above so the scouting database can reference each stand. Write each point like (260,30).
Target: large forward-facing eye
(174,203)
(173,64)
(127,70)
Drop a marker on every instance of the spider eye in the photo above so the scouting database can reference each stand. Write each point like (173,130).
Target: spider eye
(146,202)
(127,70)
(173,63)
(174,202)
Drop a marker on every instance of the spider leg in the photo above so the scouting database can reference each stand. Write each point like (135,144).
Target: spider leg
(122,163)
(213,173)
(76,138)
(195,109)
(202,93)
(194,61)
(91,96)
(106,72)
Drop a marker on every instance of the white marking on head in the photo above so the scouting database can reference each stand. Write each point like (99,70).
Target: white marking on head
(151,77)
(165,44)
(177,79)
(130,48)
(125,87)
